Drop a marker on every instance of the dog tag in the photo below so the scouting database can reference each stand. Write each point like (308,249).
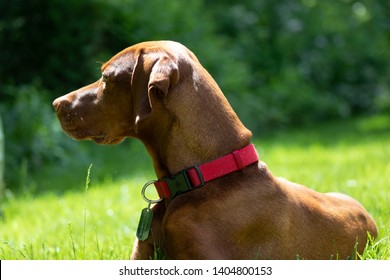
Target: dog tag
(145,223)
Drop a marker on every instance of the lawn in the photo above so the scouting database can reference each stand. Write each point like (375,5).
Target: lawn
(61,215)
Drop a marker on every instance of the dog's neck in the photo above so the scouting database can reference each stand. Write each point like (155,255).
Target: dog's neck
(202,128)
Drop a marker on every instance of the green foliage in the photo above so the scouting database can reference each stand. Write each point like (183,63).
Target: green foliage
(280,63)
(33,138)
(2,159)
(59,42)
(309,60)
(40,39)
(337,48)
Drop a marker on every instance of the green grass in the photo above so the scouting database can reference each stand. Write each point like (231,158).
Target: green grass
(63,216)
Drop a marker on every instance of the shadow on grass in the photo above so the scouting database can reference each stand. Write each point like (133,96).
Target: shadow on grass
(110,163)
(349,132)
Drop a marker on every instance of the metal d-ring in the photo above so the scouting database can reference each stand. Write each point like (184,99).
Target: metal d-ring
(149,201)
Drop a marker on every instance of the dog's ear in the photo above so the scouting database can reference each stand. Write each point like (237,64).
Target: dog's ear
(164,75)
(154,74)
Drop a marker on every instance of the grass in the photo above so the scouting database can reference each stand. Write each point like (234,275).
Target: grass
(63,215)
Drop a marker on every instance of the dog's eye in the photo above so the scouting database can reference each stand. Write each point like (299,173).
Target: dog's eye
(105,78)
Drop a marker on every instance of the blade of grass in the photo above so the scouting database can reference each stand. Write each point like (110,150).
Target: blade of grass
(72,240)
(87,182)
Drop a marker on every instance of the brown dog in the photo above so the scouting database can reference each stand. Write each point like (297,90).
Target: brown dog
(159,93)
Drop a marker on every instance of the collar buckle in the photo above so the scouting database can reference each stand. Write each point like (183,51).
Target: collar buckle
(181,182)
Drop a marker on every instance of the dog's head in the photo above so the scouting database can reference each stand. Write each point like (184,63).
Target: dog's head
(133,84)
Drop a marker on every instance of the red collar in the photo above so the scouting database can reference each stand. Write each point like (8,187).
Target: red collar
(196,176)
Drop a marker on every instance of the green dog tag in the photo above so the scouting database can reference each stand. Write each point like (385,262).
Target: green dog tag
(145,223)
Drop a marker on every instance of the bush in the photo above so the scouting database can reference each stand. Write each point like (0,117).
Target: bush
(1,158)
(33,137)
(308,60)
(251,47)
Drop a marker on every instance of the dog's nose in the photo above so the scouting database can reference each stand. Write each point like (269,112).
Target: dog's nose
(60,101)
(56,104)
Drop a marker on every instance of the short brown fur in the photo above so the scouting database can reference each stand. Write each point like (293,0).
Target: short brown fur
(159,93)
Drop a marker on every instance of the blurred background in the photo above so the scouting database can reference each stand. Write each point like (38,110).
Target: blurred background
(281,64)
